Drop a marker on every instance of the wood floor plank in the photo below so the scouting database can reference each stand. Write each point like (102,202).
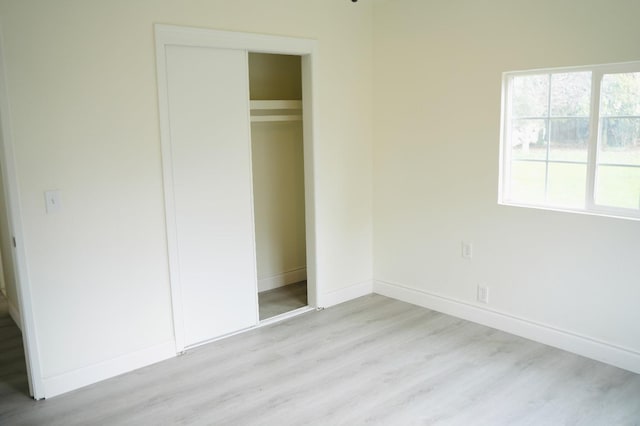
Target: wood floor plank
(373,360)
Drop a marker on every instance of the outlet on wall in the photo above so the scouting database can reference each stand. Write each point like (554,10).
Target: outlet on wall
(483,293)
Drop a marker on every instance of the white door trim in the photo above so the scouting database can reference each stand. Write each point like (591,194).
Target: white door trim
(18,255)
(169,35)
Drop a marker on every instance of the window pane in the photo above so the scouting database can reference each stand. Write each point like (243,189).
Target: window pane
(530,96)
(567,184)
(619,141)
(620,94)
(556,154)
(527,182)
(570,94)
(618,187)
(528,139)
(569,139)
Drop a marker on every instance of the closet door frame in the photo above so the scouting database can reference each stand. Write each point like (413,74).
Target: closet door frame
(170,35)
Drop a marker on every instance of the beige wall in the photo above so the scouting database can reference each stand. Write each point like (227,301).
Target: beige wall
(437,86)
(83,96)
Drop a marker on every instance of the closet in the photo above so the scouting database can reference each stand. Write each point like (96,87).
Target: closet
(275,88)
(235,131)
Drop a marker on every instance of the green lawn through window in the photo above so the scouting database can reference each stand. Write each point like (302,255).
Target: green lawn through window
(616,186)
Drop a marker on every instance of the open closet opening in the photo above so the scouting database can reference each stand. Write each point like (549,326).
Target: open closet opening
(275,89)
(13,368)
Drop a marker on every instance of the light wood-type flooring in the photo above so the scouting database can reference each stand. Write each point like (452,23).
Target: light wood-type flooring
(283,299)
(372,360)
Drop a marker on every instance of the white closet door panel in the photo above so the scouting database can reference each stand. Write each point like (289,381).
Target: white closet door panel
(210,144)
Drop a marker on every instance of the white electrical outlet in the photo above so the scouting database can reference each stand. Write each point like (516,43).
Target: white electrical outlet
(483,293)
(467,249)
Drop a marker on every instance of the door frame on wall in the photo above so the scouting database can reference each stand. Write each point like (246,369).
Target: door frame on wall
(170,35)
(26,320)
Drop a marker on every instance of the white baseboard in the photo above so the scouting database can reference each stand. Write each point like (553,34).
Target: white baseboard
(280,280)
(14,313)
(345,294)
(81,377)
(627,359)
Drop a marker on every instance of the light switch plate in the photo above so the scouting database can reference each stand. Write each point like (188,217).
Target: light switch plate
(53,202)
(467,249)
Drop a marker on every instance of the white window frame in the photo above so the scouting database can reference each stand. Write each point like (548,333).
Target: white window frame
(590,206)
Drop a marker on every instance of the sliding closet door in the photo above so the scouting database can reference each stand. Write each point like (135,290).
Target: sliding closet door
(210,153)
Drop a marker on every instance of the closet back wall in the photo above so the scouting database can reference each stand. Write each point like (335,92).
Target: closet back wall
(278,174)
(84,108)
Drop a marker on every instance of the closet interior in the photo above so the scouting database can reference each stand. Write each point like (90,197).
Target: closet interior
(275,90)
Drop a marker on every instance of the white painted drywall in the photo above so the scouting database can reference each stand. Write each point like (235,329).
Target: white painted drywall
(278,194)
(81,80)
(437,87)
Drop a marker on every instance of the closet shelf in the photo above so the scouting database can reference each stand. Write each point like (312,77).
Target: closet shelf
(275,104)
(285,117)
(276,110)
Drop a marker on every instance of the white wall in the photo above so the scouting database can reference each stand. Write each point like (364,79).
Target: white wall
(278,197)
(437,87)
(83,97)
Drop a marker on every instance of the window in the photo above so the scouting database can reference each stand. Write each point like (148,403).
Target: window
(571,139)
